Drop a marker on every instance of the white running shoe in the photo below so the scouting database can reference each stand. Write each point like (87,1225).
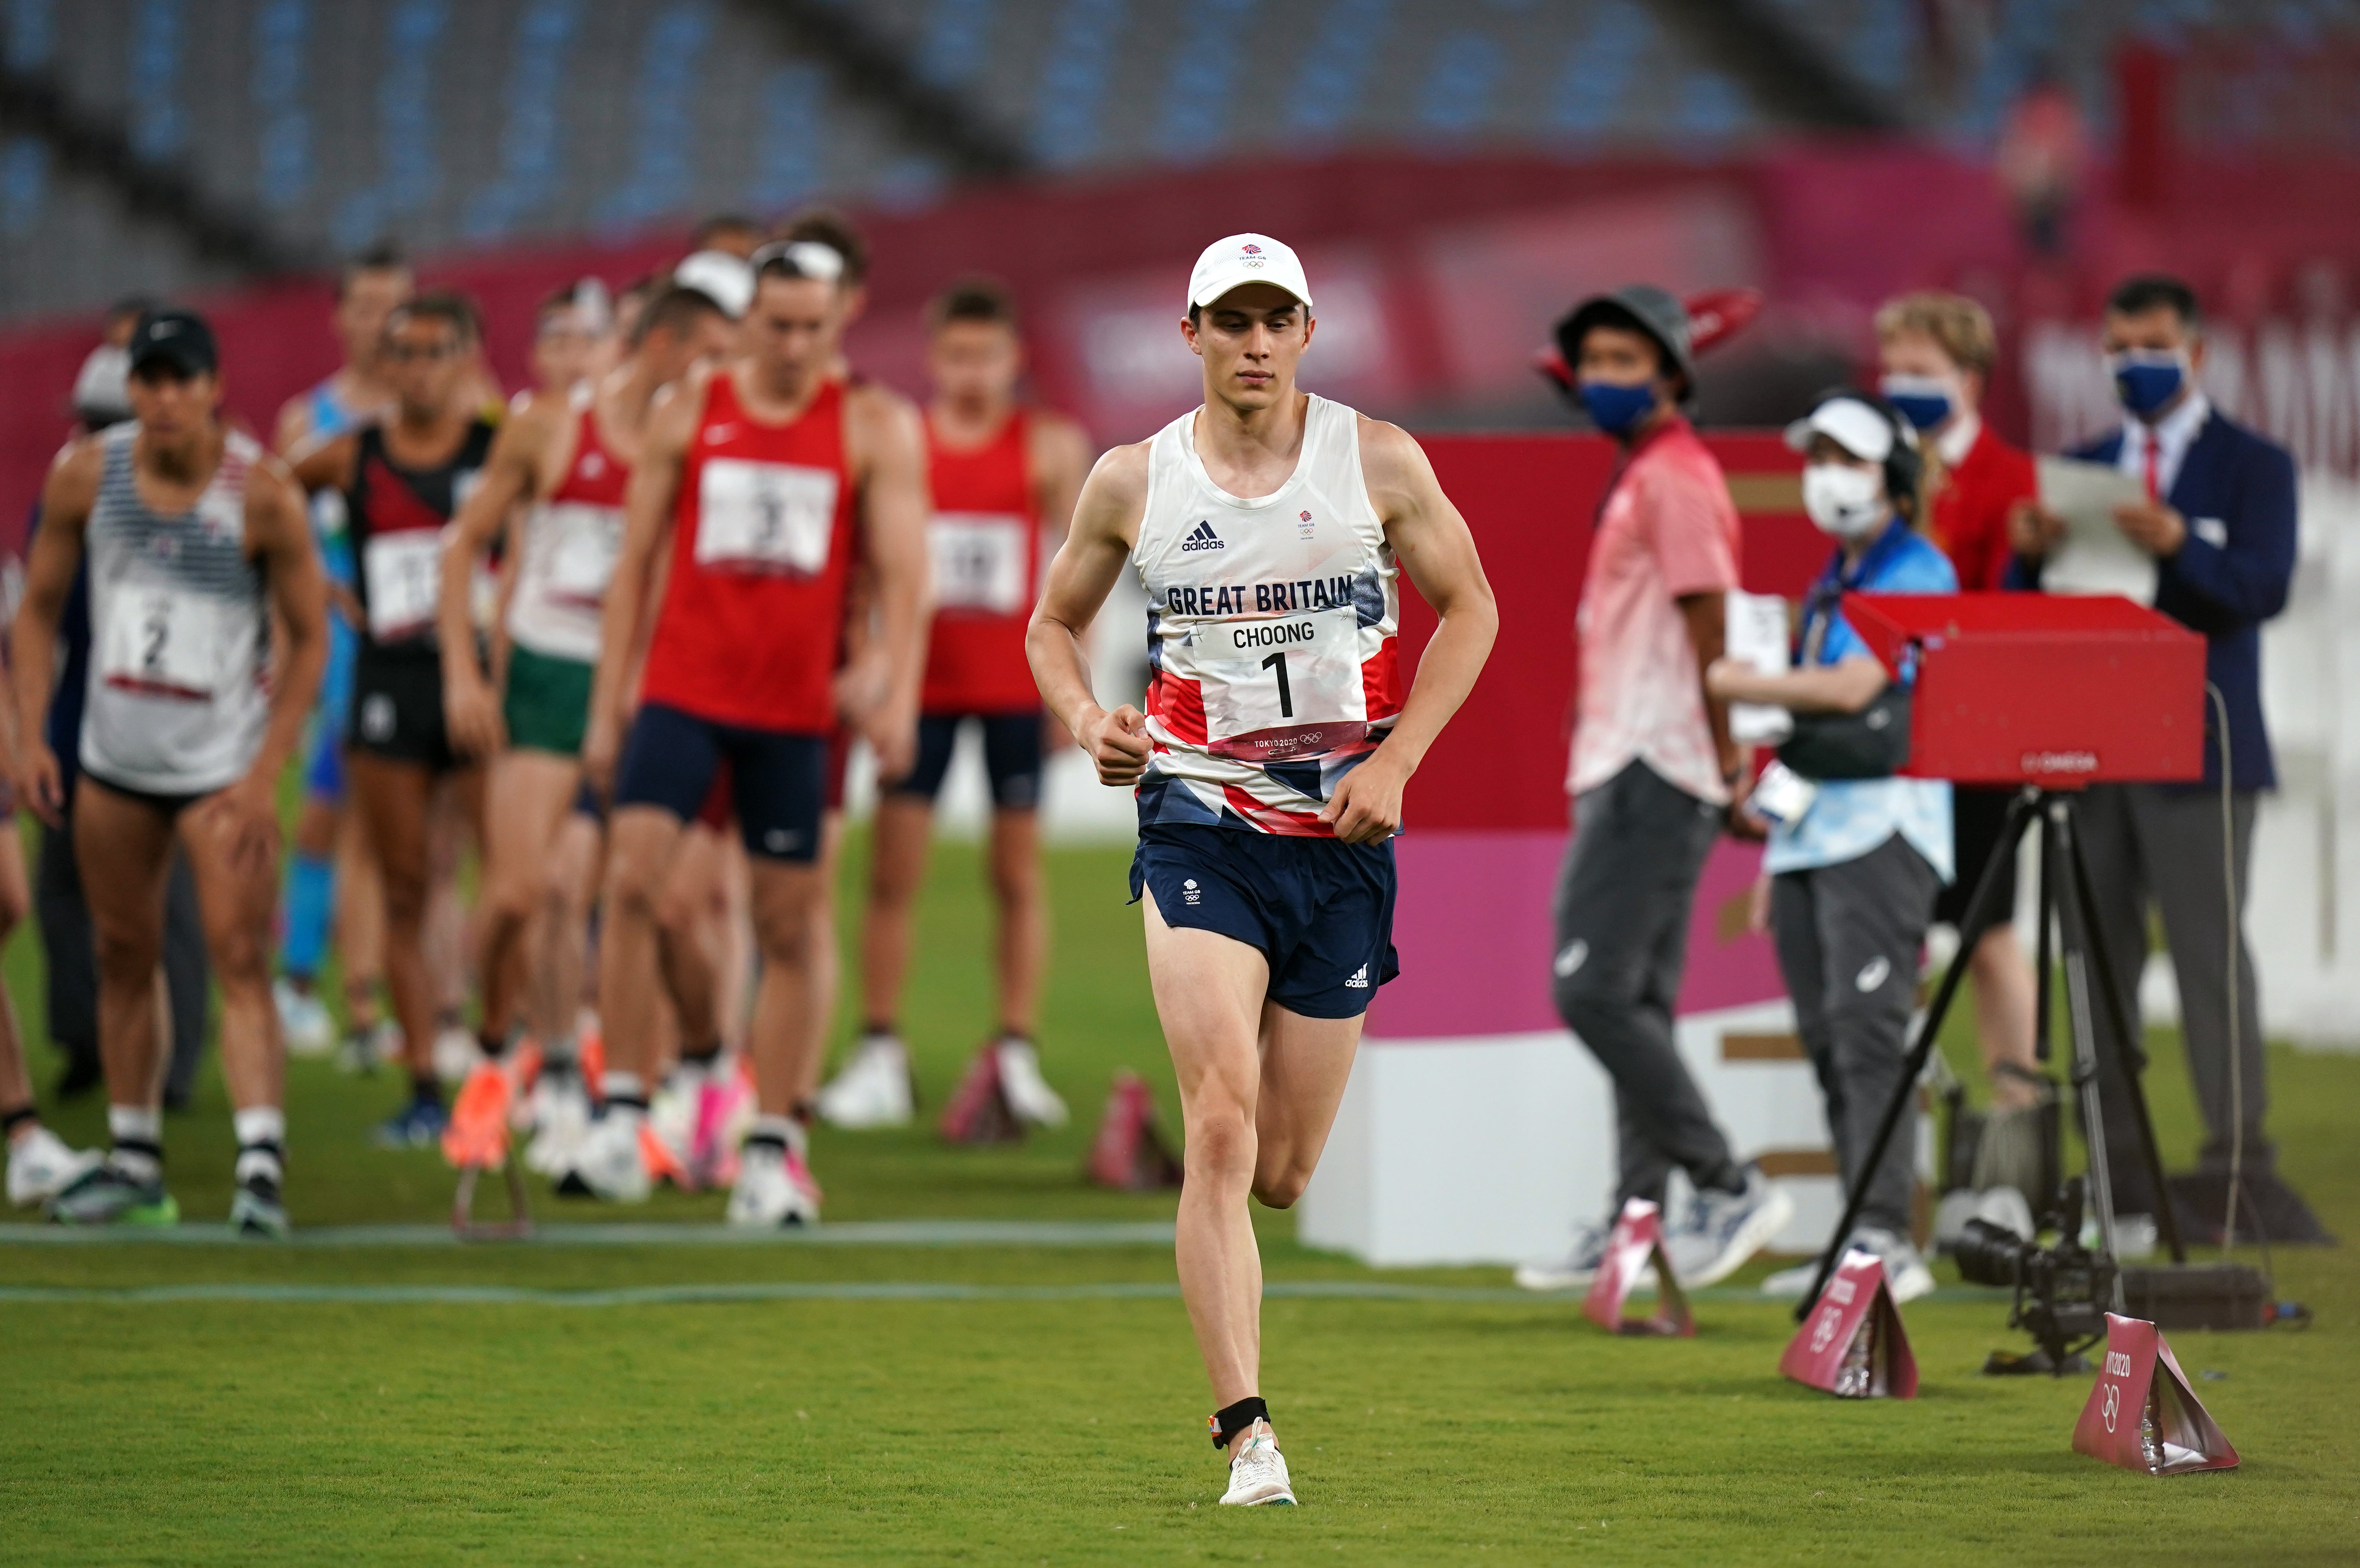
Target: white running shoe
(558,1112)
(1793,1282)
(455,1053)
(1020,1084)
(771,1192)
(1905,1274)
(671,1111)
(303,1018)
(1575,1272)
(608,1165)
(1724,1229)
(1258,1475)
(875,1089)
(40,1166)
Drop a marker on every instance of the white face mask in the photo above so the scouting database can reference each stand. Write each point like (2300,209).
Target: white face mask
(1843,500)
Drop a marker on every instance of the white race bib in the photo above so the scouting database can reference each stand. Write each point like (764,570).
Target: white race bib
(162,641)
(764,517)
(583,543)
(404,582)
(1281,689)
(980,561)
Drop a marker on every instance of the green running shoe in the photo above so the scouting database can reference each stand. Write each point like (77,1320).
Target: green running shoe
(257,1210)
(105,1194)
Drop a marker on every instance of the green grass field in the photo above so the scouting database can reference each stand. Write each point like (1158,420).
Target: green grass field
(886,1392)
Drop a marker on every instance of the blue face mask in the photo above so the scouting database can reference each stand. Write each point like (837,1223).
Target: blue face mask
(1925,401)
(1614,407)
(2148,378)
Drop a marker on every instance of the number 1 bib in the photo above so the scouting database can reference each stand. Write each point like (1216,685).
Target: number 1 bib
(1287,688)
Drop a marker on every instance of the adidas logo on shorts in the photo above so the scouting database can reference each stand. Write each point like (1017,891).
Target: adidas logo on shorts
(1360,980)
(1202,538)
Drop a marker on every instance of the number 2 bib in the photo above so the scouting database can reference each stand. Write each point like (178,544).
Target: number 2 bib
(764,517)
(166,642)
(1285,688)
(980,561)
(404,582)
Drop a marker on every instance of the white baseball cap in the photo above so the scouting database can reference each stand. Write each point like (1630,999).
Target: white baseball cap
(1851,424)
(721,277)
(1246,258)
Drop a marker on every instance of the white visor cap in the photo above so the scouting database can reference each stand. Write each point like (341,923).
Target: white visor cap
(1246,258)
(721,277)
(1850,424)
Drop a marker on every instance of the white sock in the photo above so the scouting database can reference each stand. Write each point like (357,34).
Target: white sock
(261,1143)
(624,1086)
(783,1130)
(138,1133)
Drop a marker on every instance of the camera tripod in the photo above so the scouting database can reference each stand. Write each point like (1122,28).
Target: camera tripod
(2065,893)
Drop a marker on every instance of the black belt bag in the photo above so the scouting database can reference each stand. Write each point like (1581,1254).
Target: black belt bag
(1870,744)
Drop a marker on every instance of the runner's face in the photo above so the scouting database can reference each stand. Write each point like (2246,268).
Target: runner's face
(424,360)
(172,408)
(975,364)
(369,299)
(1250,339)
(792,328)
(670,354)
(563,352)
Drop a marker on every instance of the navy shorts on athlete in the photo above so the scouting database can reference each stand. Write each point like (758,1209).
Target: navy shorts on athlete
(1320,910)
(1011,757)
(778,782)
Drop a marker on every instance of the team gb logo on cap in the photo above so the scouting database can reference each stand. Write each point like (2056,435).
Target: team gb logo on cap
(1253,255)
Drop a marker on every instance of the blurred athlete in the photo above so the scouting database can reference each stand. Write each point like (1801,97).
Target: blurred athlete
(197,543)
(568,456)
(1269,528)
(1003,478)
(755,479)
(331,881)
(570,334)
(401,481)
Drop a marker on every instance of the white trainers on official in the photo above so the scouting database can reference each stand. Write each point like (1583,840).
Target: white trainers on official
(304,1020)
(772,1189)
(1905,1274)
(875,1089)
(608,1165)
(1258,1475)
(1020,1084)
(1723,1229)
(40,1166)
(1576,1270)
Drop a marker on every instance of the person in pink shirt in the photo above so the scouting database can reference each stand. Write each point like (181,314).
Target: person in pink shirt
(1651,777)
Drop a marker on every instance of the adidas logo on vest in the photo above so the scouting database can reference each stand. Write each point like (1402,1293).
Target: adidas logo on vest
(1202,538)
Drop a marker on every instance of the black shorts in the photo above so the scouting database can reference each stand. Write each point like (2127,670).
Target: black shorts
(1011,756)
(398,710)
(778,782)
(1320,911)
(1977,814)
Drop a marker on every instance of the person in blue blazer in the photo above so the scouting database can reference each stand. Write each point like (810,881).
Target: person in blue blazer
(2220,521)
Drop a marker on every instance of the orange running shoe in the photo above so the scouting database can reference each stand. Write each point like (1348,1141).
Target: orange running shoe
(477,1134)
(662,1164)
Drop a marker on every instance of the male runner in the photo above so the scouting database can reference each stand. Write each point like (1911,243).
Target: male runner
(331,881)
(758,477)
(569,455)
(1269,528)
(197,542)
(1003,478)
(401,481)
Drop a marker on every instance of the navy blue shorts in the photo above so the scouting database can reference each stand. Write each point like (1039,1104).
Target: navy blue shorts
(1319,910)
(1011,756)
(778,782)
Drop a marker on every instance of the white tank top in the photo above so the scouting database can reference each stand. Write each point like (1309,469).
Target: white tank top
(1270,628)
(571,540)
(179,632)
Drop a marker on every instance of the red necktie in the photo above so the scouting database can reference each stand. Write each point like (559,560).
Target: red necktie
(2154,486)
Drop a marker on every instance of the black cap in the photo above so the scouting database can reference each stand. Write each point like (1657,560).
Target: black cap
(1651,310)
(178,340)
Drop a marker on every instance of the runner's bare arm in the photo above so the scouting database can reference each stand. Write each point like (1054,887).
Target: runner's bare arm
(647,526)
(324,465)
(278,537)
(511,474)
(1431,541)
(891,468)
(54,557)
(1060,458)
(1105,525)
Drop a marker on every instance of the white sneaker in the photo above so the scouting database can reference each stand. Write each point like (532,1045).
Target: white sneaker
(455,1053)
(1792,1282)
(1027,1093)
(770,1193)
(1724,1229)
(303,1020)
(1905,1274)
(1258,1475)
(40,1166)
(1574,1272)
(671,1111)
(608,1165)
(874,1090)
(558,1111)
